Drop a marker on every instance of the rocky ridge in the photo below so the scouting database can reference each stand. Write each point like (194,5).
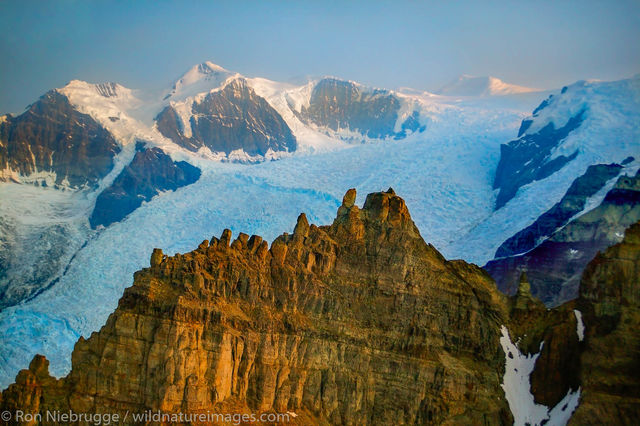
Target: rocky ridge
(226,120)
(529,158)
(150,172)
(572,203)
(357,322)
(610,305)
(360,322)
(337,105)
(53,144)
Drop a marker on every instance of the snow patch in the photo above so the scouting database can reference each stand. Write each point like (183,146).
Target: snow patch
(579,325)
(517,389)
(185,112)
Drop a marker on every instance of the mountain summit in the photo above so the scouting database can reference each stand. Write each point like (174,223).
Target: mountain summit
(200,78)
(468,85)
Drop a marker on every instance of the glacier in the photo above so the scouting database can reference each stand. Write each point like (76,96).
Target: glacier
(445,176)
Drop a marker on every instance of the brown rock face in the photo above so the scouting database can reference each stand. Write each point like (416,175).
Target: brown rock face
(605,364)
(34,391)
(232,118)
(360,322)
(610,303)
(51,136)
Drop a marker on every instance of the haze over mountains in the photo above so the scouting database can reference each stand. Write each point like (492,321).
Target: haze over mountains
(95,176)
(468,85)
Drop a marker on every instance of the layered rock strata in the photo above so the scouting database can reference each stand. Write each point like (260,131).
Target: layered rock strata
(360,322)
(355,323)
(226,120)
(53,144)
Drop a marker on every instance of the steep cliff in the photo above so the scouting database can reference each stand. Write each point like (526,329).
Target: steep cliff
(610,305)
(337,105)
(229,119)
(360,322)
(53,144)
(555,267)
(591,345)
(150,172)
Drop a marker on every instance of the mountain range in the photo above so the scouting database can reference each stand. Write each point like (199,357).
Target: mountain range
(93,177)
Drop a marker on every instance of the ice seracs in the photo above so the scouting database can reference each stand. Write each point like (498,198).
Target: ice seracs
(444,173)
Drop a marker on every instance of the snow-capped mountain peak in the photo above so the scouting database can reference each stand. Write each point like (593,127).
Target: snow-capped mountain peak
(468,85)
(106,90)
(199,78)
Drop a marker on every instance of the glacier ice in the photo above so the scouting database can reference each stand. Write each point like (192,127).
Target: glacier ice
(445,175)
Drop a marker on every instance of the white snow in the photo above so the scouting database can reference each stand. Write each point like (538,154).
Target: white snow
(468,85)
(184,111)
(579,325)
(610,132)
(445,175)
(199,79)
(517,389)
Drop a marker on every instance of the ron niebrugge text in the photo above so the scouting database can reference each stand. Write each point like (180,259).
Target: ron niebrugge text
(145,417)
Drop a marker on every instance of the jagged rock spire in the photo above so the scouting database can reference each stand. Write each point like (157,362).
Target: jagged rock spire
(239,316)
(524,288)
(156,257)
(349,198)
(302,226)
(524,300)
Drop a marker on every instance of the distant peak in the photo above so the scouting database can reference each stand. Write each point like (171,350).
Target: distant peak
(209,67)
(469,85)
(200,71)
(106,90)
(200,77)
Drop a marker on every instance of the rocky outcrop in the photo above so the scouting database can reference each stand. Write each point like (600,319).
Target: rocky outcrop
(610,305)
(590,344)
(572,203)
(229,119)
(150,172)
(555,267)
(552,333)
(53,144)
(342,105)
(529,158)
(355,323)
